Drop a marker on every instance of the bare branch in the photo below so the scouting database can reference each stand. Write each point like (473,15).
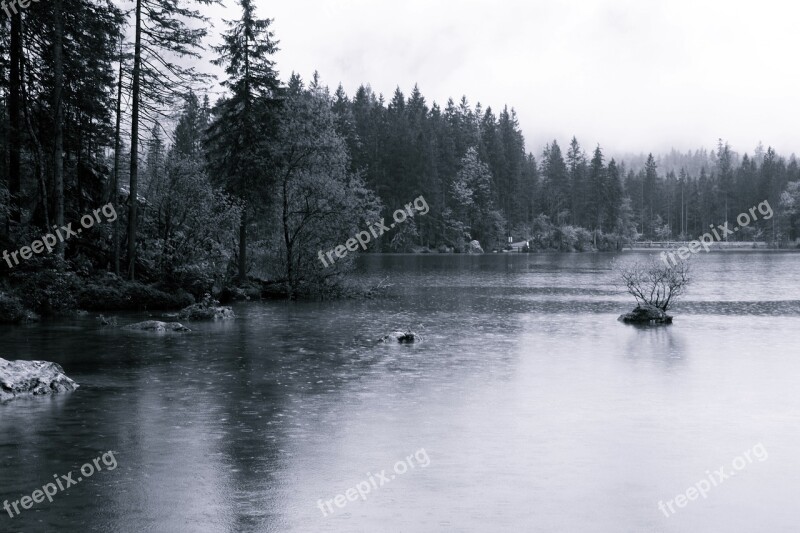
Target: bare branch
(654,282)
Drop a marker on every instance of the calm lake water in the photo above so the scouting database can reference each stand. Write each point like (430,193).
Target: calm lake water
(536,409)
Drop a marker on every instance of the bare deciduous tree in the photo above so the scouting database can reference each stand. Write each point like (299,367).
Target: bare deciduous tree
(652,282)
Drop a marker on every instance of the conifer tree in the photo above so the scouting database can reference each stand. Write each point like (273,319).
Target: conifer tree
(160,30)
(244,120)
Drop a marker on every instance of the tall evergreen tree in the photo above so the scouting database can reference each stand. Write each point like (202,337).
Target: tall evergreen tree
(244,120)
(612,201)
(160,30)
(597,190)
(649,195)
(191,128)
(557,195)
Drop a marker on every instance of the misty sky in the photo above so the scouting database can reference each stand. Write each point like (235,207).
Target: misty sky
(632,75)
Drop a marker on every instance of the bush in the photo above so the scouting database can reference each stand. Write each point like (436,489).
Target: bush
(148,297)
(112,294)
(609,242)
(583,240)
(11,310)
(196,280)
(565,238)
(101,297)
(48,291)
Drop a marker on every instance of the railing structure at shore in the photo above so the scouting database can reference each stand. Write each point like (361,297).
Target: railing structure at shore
(665,245)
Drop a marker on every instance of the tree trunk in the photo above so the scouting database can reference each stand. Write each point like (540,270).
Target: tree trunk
(38,154)
(14,111)
(79,163)
(114,196)
(286,239)
(243,190)
(58,118)
(243,247)
(134,182)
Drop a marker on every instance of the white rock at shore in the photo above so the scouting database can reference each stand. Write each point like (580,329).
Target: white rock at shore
(32,378)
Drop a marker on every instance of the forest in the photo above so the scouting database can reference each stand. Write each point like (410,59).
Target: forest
(236,194)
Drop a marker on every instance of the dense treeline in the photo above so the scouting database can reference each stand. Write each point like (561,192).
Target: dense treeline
(470,164)
(702,188)
(251,187)
(474,168)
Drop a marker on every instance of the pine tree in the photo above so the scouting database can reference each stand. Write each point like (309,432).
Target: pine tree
(58,115)
(345,121)
(576,165)
(160,29)
(612,200)
(510,187)
(15,120)
(649,195)
(725,176)
(556,195)
(597,190)
(245,119)
(191,128)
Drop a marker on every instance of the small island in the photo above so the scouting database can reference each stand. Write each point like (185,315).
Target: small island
(655,286)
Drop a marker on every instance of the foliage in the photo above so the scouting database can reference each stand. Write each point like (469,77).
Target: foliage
(321,203)
(114,294)
(243,121)
(304,175)
(189,230)
(790,203)
(11,309)
(473,201)
(47,290)
(404,236)
(573,239)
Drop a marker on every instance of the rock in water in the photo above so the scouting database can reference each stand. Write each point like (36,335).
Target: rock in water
(474,248)
(32,378)
(403,337)
(107,321)
(208,309)
(159,327)
(646,314)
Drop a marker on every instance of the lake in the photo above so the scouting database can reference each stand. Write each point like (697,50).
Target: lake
(526,407)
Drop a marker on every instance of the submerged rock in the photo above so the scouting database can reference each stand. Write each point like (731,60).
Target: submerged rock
(155,325)
(208,309)
(112,321)
(403,337)
(646,314)
(32,378)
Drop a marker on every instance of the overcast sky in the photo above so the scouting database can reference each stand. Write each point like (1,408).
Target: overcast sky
(632,75)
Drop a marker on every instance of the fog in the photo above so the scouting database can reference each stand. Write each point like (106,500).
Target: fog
(633,76)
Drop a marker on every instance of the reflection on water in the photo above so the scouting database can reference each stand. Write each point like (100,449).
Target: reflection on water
(538,410)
